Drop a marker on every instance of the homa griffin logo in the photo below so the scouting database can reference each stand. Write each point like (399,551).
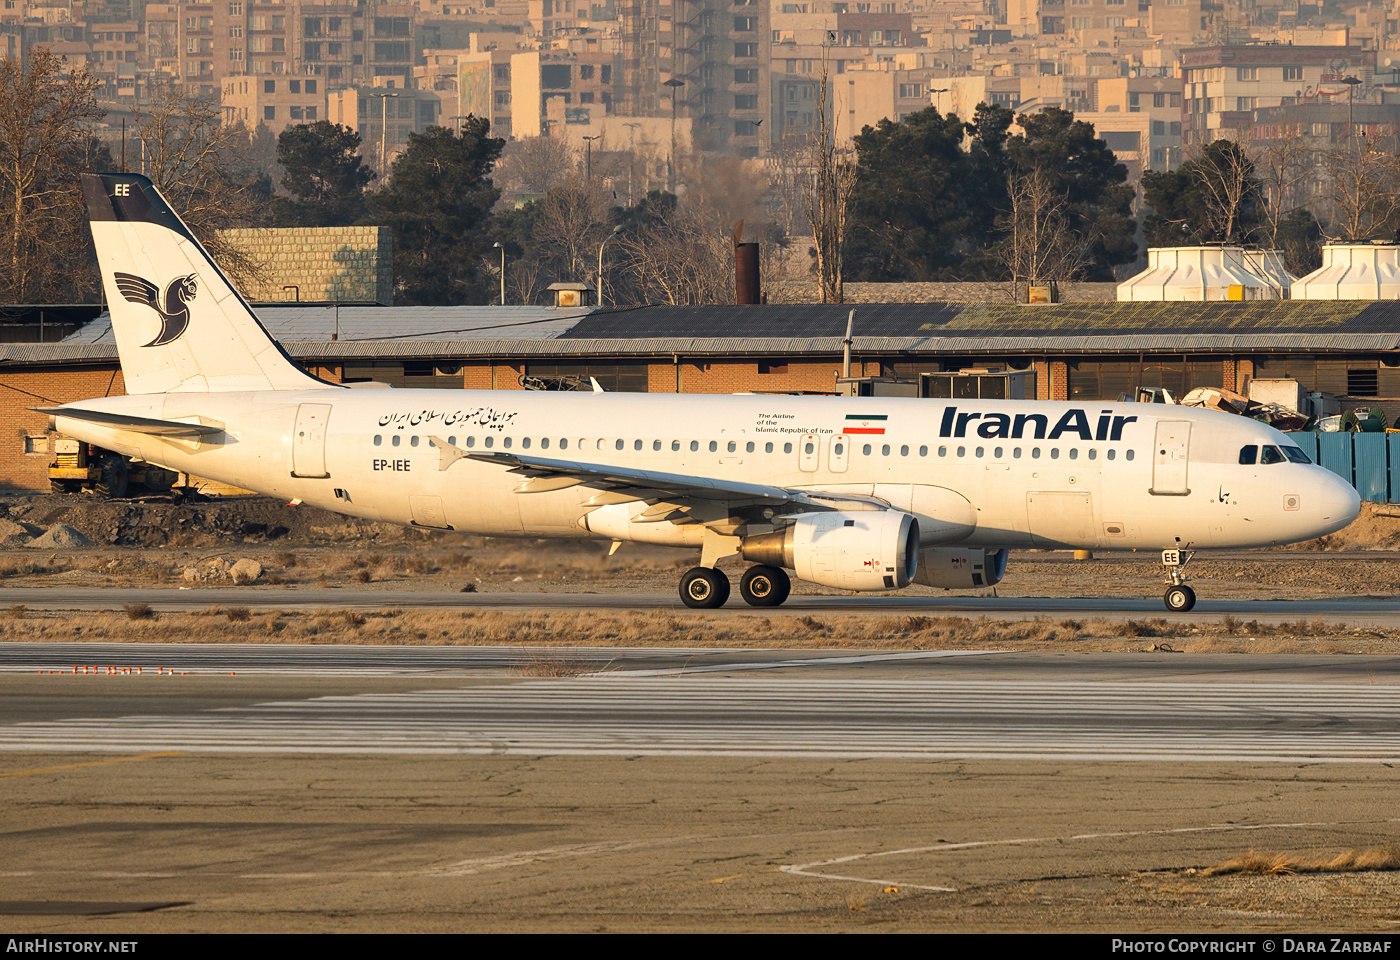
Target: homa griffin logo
(1024,426)
(174,313)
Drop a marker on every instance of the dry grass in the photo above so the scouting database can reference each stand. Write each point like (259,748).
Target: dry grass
(678,628)
(1283,864)
(545,662)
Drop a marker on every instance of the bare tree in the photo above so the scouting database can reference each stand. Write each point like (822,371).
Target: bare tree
(1364,178)
(1228,185)
(47,112)
(197,163)
(679,253)
(827,192)
(534,165)
(573,221)
(1282,164)
(1040,245)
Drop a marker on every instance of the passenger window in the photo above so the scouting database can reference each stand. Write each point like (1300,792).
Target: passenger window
(505,443)
(656,444)
(787,448)
(808,448)
(714,446)
(490,441)
(904,451)
(1016,452)
(942,451)
(1271,455)
(675,445)
(1128,455)
(378,440)
(396,439)
(694,445)
(544,443)
(1249,455)
(1093,454)
(767,448)
(1035,453)
(962,451)
(471,442)
(885,450)
(748,448)
(996,454)
(734,447)
(619,444)
(923,451)
(980,452)
(865,450)
(563,444)
(1074,453)
(636,444)
(1112,453)
(1054,453)
(525,443)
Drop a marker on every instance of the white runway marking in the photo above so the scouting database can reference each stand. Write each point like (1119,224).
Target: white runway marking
(929,720)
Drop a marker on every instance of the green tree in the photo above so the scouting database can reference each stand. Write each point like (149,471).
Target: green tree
(1212,198)
(438,202)
(47,112)
(910,213)
(324,174)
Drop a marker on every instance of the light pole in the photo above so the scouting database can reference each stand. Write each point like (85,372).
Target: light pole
(615,231)
(588,154)
(383,99)
(675,86)
(501,248)
(1352,83)
(631,156)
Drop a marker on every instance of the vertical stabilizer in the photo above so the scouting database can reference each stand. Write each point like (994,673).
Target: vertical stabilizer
(180,324)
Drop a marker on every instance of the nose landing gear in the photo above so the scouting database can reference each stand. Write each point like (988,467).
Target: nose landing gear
(1179,597)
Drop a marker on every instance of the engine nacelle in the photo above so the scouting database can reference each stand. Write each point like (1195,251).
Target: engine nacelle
(861,550)
(960,568)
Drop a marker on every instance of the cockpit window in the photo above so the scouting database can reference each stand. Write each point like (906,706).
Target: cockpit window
(1271,455)
(1249,455)
(1296,455)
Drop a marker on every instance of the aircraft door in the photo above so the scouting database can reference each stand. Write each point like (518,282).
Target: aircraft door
(1169,458)
(309,440)
(840,454)
(808,452)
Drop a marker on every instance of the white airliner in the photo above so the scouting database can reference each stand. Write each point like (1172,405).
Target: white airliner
(853,494)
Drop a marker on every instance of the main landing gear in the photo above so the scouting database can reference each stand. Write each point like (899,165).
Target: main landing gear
(705,588)
(1179,597)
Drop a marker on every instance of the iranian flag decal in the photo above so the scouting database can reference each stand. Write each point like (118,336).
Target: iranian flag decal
(871,423)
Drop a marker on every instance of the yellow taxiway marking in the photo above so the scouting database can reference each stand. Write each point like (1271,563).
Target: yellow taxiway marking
(93,763)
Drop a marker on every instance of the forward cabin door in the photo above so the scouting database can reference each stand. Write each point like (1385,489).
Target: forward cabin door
(309,440)
(1169,458)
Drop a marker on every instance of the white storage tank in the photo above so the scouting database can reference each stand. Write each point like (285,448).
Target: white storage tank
(1353,271)
(1209,273)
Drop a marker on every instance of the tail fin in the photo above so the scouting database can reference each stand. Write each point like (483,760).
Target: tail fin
(180,324)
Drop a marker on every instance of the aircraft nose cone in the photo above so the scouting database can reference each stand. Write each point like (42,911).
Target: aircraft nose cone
(1341,504)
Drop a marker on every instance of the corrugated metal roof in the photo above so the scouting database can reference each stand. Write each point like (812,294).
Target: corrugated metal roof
(292,324)
(691,347)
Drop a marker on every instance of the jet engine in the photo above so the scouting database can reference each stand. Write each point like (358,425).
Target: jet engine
(959,568)
(861,550)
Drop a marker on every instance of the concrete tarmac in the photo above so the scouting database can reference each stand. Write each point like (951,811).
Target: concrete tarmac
(210,836)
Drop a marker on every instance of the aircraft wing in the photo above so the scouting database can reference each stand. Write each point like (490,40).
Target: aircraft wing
(158,428)
(631,483)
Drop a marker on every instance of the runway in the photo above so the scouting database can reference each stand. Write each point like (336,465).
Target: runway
(835,704)
(1362,611)
(336,788)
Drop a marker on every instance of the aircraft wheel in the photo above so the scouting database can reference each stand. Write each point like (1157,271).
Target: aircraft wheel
(704,588)
(1180,599)
(764,586)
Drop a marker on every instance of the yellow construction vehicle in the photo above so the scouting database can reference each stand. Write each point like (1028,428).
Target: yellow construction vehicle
(81,466)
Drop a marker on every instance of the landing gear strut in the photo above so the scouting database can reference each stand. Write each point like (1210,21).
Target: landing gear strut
(704,588)
(1179,597)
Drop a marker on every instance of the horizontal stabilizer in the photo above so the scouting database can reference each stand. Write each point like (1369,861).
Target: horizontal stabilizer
(122,421)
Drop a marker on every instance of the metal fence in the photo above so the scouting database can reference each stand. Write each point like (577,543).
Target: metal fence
(1370,462)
